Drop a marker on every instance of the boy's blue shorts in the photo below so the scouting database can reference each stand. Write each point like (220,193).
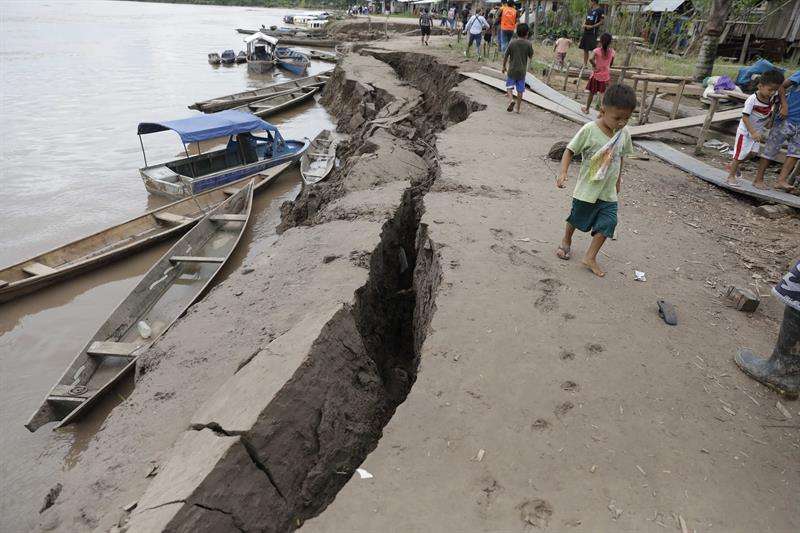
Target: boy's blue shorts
(599,217)
(519,85)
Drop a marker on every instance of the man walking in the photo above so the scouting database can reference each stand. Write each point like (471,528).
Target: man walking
(425,26)
(508,22)
(474,28)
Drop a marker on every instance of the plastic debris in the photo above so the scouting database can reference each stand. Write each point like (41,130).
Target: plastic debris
(144,330)
(639,275)
(364,474)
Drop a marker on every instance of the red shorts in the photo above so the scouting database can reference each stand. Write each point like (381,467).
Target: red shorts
(595,86)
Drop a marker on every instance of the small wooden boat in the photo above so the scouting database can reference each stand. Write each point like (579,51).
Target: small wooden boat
(260,53)
(233,100)
(278,102)
(241,57)
(165,292)
(318,161)
(246,153)
(323,56)
(291,60)
(213,59)
(316,42)
(119,241)
(228,57)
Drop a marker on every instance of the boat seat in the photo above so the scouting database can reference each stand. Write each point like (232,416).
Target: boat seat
(172,218)
(228,218)
(230,191)
(117,349)
(37,269)
(60,394)
(195,259)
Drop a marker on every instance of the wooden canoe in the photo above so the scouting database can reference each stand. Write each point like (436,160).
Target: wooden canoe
(165,292)
(317,162)
(234,100)
(118,241)
(279,102)
(331,57)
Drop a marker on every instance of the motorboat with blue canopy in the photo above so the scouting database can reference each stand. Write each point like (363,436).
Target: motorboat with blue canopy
(246,152)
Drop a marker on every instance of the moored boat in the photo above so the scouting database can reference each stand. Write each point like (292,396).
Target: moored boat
(175,282)
(213,59)
(278,102)
(323,56)
(260,53)
(118,241)
(245,153)
(233,100)
(318,161)
(291,60)
(241,57)
(228,57)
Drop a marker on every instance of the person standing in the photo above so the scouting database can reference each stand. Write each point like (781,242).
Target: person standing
(517,54)
(425,26)
(487,35)
(474,27)
(781,371)
(465,17)
(601,60)
(451,18)
(508,21)
(593,21)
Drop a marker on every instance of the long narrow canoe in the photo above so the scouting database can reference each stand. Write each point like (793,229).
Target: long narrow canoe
(331,57)
(279,102)
(165,292)
(234,100)
(317,162)
(118,241)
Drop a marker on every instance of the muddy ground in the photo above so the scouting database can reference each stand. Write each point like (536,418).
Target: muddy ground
(412,319)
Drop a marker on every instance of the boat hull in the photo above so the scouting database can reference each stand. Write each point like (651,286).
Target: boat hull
(190,186)
(112,352)
(234,100)
(292,66)
(127,231)
(260,67)
(282,101)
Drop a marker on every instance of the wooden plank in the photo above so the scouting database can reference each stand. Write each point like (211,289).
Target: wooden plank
(37,269)
(195,259)
(172,218)
(687,122)
(230,191)
(118,349)
(228,218)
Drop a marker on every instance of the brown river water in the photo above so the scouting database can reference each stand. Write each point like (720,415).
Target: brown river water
(75,80)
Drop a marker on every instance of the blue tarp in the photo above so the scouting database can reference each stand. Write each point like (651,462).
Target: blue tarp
(211,126)
(745,75)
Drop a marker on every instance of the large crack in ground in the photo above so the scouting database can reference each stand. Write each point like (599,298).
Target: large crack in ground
(330,415)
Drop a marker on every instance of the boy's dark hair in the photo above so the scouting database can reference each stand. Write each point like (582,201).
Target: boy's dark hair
(620,96)
(772,77)
(522,30)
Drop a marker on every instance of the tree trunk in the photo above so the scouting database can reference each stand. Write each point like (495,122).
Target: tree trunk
(718,14)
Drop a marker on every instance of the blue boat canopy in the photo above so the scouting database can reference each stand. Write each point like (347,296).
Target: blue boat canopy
(211,126)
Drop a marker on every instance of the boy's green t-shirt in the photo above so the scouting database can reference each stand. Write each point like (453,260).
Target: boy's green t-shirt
(589,139)
(519,51)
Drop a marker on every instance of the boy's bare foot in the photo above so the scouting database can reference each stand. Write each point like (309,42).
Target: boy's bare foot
(563,252)
(783,186)
(732,180)
(585,110)
(759,185)
(592,265)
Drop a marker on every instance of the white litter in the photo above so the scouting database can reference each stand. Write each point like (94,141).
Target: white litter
(363,473)
(144,329)
(639,275)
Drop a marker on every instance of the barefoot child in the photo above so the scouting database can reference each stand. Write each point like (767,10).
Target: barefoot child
(602,144)
(787,130)
(755,120)
(517,54)
(560,48)
(602,58)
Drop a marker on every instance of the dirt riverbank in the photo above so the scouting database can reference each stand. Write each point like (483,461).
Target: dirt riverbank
(411,319)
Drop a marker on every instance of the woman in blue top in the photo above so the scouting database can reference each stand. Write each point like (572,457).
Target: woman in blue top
(590,29)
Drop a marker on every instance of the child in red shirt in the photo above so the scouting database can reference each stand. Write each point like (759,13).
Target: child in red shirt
(602,58)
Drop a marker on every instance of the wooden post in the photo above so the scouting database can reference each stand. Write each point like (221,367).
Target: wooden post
(626,61)
(643,106)
(707,123)
(743,55)
(566,78)
(677,103)
(578,83)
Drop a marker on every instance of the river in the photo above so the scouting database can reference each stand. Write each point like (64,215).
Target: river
(76,78)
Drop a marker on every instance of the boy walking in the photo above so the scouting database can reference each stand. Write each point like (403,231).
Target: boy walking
(755,121)
(603,144)
(516,57)
(787,130)
(425,23)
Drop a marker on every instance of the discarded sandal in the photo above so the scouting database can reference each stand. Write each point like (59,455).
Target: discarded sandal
(668,312)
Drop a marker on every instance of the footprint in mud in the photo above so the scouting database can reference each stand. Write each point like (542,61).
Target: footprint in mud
(567,355)
(536,513)
(594,348)
(519,256)
(489,489)
(540,424)
(570,386)
(563,408)
(501,234)
(568,316)
(548,301)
